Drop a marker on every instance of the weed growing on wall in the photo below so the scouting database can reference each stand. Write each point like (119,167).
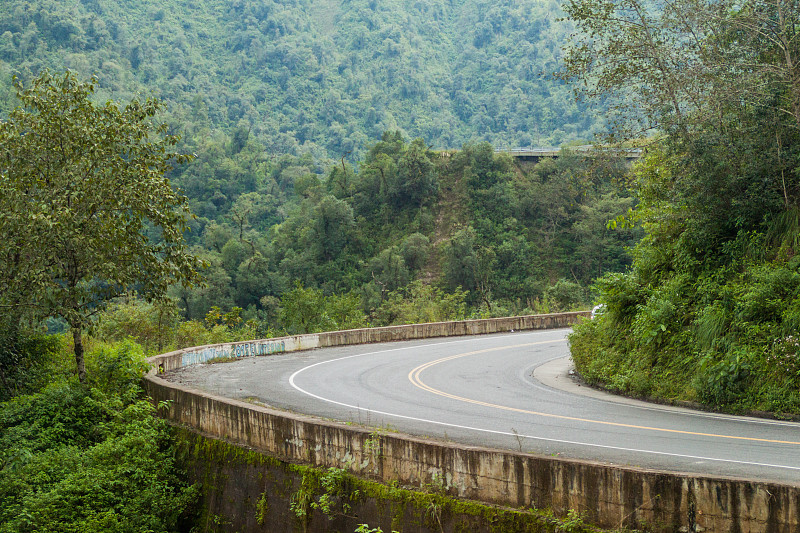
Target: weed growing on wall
(344,500)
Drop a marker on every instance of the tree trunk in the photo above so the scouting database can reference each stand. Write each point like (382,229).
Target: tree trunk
(79,363)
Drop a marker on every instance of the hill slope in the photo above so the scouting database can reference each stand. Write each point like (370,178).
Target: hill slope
(320,76)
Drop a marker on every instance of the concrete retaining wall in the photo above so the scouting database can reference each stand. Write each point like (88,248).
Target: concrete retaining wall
(201,354)
(610,496)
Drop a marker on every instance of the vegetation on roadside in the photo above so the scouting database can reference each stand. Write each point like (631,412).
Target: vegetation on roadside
(710,309)
(86,215)
(89,457)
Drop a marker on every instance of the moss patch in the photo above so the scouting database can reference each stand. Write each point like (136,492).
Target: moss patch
(247,491)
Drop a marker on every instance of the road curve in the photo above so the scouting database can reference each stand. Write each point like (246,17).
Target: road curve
(502,391)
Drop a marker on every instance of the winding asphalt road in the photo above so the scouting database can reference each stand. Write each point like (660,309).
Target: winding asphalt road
(508,391)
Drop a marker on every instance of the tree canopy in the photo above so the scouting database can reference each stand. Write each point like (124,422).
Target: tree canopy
(317,77)
(86,212)
(709,310)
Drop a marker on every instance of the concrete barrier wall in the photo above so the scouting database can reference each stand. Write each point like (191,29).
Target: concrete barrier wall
(201,354)
(610,496)
(449,329)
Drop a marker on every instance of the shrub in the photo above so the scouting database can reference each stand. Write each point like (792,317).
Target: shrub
(565,295)
(621,293)
(78,458)
(26,362)
(111,367)
(767,293)
(151,324)
(725,382)
(421,303)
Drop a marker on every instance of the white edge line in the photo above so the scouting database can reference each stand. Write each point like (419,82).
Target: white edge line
(498,432)
(647,406)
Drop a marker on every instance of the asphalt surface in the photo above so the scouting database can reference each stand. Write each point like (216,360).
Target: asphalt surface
(509,391)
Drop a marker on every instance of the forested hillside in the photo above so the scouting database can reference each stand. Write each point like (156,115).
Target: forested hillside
(285,104)
(507,237)
(323,77)
(343,153)
(710,310)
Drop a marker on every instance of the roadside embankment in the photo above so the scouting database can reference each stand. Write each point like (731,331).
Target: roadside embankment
(610,496)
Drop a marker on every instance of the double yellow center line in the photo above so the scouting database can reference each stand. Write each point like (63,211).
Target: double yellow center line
(414,377)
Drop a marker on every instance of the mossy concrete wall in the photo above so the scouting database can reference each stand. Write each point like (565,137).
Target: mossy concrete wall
(610,496)
(248,492)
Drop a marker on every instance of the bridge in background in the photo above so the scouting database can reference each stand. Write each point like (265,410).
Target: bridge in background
(535,154)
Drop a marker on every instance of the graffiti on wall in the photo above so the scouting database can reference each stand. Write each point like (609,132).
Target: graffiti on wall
(245,349)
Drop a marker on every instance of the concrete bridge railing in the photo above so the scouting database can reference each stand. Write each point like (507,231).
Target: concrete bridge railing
(538,153)
(611,496)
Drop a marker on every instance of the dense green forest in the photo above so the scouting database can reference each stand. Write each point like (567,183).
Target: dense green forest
(296,186)
(340,162)
(95,238)
(511,237)
(710,310)
(315,77)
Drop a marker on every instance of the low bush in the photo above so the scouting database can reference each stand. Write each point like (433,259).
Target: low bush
(726,337)
(91,458)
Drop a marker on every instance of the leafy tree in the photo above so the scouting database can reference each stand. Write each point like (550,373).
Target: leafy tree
(416,178)
(256,210)
(565,295)
(255,280)
(303,311)
(234,253)
(415,250)
(485,168)
(599,249)
(345,311)
(216,235)
(460,260)
(309,310)
(333,226)
(151,324)
(648,56)
(372,189)
(419,303)
(216,317)
(25,361)
(388,270)
(719,79)
(86,213)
